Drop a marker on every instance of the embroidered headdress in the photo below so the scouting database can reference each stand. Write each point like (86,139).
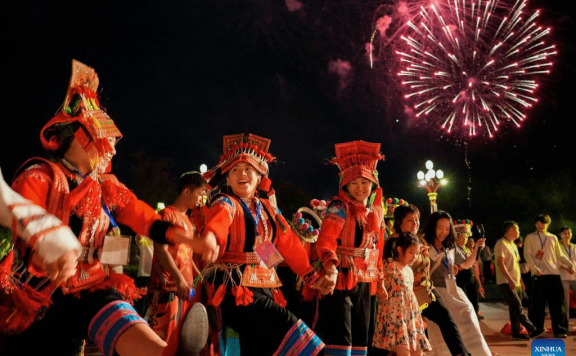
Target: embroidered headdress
(247,148)
(463,227)
(357,159)
(391,204)
(81,106)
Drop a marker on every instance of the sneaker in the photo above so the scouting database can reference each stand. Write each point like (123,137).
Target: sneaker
(560,336)
(194,331)
(536,333)
(520,337)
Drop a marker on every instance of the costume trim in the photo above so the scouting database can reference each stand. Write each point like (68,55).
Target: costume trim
(359,351)
(111,322)
(300,341)
(337,350)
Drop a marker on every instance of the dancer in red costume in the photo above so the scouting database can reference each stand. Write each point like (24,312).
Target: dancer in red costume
(350,248)
(173,270)
(250,236)
(95,301)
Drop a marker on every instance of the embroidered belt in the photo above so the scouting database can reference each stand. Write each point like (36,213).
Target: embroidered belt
(248,258)
(363,262)
(353,252)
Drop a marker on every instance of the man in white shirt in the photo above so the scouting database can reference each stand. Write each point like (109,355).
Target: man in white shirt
(510,283)
(544,254)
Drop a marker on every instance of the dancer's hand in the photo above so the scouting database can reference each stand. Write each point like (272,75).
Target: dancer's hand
(61,269)
(328,281)
(183,291)
(210,247)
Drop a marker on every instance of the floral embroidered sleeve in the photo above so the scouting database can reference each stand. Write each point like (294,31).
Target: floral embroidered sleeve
(332,225)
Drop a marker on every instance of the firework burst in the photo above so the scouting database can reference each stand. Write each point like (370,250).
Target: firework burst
(471,65)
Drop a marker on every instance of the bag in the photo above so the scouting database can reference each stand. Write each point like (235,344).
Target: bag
(423,296)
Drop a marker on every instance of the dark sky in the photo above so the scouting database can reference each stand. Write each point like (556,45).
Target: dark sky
(176,76)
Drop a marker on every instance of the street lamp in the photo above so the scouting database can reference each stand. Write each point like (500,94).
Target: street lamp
(431,180)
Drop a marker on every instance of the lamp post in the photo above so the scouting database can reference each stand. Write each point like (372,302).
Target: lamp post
(432,180)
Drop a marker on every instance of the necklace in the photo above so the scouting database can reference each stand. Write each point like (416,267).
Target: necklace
(248,201)
(73,169)
(265,225)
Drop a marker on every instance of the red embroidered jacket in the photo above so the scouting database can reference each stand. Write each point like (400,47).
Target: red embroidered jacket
(79,203)
(225,219)
(339,243)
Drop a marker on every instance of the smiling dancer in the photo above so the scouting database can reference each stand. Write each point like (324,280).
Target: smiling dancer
(350,249)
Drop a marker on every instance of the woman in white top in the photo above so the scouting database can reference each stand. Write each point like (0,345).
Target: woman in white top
(568,280)
(440,235)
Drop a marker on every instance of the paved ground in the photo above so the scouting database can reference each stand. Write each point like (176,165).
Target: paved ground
(495,317)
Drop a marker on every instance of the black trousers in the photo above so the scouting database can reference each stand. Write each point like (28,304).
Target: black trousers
(62,330)
(547,289)
(345,317)
(527,279)
(261,325)
(517,315)
(305,310)
(438,313)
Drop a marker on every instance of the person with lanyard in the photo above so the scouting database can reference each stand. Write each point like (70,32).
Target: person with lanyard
(172,275)
(545,256)
(407,219)
(568,279)
(510,283)
(467,277)
(249,236)
(95,302)
(440,235)
(350,248)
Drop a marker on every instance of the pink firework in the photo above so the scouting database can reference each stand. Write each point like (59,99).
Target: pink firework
(470,65)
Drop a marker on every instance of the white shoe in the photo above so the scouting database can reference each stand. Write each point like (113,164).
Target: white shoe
(194,331)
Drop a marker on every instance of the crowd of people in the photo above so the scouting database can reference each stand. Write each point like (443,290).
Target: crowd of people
(352,276)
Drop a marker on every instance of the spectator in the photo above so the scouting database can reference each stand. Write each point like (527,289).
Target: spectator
(510,283)
(544,255)
(568,280)
(486,256)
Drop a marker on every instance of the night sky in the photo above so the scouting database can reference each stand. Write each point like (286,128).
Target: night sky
(176,76)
